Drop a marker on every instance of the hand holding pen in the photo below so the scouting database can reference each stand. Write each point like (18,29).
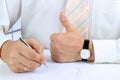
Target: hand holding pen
(41,52)
(23,57)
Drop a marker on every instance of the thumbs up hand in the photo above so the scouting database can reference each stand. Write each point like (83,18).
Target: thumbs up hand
(66,47)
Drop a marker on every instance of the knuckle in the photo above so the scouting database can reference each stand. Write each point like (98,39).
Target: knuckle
(55,47)
(55,37)
(32,56)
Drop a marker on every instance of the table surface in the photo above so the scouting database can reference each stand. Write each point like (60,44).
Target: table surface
(64,71)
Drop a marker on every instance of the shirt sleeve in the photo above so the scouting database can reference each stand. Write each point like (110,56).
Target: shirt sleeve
(9,14)
(107,51)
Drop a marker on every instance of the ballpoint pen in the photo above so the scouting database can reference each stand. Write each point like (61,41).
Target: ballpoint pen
(22,40)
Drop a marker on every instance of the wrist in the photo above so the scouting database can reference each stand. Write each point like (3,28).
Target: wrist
(2,56)
(87,51)
(92,54)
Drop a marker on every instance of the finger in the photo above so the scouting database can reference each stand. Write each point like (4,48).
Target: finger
(22,68)
(32,54)
(54,47)
(37,46)
(67,25)
(16,67)
(43,59)
(53,50)
(56,37)
(17,70)
(29,53)
(31,65)
(54,56)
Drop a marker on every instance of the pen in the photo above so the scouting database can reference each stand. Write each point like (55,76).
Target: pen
(22,40)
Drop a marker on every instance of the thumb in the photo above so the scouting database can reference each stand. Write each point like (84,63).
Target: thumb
(65,22)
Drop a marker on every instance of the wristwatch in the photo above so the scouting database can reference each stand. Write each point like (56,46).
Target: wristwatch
(85,52)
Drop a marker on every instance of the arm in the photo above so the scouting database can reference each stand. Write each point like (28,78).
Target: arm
(8,17)
(66,47)
(15,54)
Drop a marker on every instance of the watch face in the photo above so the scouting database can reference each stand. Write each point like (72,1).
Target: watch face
(85,54)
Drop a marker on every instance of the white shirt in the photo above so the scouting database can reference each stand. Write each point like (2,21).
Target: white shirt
(40,18)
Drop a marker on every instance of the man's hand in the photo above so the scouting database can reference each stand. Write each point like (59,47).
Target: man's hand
(66,47)
(21,58)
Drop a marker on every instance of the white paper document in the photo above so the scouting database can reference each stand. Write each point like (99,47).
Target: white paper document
(64,71)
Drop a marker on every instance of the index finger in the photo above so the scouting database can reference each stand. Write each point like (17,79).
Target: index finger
(37,46)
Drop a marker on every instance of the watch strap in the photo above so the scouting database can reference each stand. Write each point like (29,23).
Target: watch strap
(84,60)
(86,44)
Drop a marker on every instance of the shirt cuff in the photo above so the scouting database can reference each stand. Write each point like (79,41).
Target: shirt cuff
(105,51)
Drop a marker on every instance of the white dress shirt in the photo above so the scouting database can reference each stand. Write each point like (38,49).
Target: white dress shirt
(40,18)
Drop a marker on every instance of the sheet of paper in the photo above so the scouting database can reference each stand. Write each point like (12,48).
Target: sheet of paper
(55,71)
(64,71)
